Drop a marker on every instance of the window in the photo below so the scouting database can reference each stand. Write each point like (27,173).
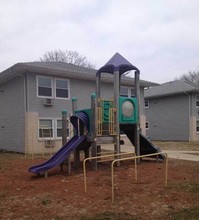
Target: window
(61,86)
(51,128)
(46,128)
(127,91)
(52,88)
(197,126)
(146,103)
(197,100)
(124,91)
(132,92)
(59,128)
(44,86)
(147,125)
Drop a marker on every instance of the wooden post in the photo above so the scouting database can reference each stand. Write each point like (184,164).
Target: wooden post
(74,104)
(76,152)
(64,140)
(64,127)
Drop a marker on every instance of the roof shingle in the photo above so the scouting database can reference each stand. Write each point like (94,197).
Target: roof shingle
(171,88)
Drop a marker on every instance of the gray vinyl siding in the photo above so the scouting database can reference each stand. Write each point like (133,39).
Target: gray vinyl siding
(35,104)
(19,95)
(12,115)
(142,110)
(81,89)
(194,111)
(19,101)
(168,118)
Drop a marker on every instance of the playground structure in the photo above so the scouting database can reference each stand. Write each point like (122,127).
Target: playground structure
(103,122)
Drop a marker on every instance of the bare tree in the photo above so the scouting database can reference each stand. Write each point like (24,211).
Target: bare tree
(67,56)
(190,77)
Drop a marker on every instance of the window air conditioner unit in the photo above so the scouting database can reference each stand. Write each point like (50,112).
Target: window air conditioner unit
(48,102)
(49,143)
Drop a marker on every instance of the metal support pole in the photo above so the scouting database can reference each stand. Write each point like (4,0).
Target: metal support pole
(116,105)
(94,129)
(64,127)
(137,126)
(98,81)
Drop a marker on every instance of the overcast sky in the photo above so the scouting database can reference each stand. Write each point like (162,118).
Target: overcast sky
(160,37)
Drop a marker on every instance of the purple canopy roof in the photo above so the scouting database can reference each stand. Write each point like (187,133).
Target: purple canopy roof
(117,63)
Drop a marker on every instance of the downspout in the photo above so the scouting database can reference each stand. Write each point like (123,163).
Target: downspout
(26,93)
(25,115)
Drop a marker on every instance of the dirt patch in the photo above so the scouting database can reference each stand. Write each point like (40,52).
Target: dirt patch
(24,195)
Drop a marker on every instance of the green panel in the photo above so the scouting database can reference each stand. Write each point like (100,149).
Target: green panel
(106,106)
(128,110)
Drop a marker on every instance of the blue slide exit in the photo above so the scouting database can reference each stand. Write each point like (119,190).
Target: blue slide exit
(60,156)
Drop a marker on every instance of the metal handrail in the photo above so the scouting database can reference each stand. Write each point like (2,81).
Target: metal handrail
(98,157)
(134,158)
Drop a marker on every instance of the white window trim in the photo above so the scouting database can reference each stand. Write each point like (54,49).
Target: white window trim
(53,127)
(68,81)
(129,91)
(51,86)
(130,95)
(56,119)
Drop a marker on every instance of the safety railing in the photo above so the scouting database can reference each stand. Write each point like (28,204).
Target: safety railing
(105,117)
(134,158)
(99,121)
(100,157)
(112,127)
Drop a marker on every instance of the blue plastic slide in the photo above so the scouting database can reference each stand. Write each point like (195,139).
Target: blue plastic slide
(79,120)
(60,155)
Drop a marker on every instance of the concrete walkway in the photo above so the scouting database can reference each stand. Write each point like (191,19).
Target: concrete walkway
(174,154)
(183,155)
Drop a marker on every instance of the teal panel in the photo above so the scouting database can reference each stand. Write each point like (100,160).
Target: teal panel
(128,110)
